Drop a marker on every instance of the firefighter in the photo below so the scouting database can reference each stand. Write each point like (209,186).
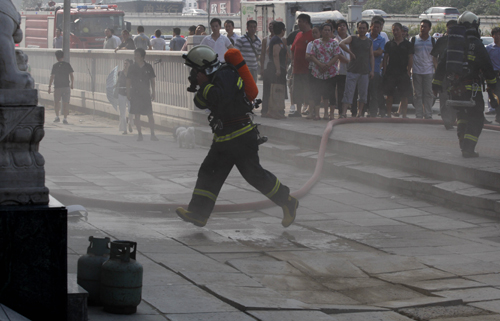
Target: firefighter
(464,65)
(235,140)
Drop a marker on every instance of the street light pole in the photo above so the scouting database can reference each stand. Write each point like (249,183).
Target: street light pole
(209,10)
(66,29)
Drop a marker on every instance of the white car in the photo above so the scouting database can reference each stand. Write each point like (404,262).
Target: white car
(487,40)
(195,12)
(374,12)
(440,14)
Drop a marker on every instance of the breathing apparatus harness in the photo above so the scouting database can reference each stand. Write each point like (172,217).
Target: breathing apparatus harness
(211,68)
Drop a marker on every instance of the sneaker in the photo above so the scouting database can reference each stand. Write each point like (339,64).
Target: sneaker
(154,138)
(129,127)
(487,122)
(292,109)
(295,114)
(289,211)
(191,217)
(491,112)
(56,120)
(139,138)
(65,121)
(469,154)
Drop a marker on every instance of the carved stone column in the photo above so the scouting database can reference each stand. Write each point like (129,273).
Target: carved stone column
(21,165)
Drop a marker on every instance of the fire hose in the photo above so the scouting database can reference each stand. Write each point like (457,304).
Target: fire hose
(304,190)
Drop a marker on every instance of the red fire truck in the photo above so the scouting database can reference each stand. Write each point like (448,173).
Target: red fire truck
(88,23)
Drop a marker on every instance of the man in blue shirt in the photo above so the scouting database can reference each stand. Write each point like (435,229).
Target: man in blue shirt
(177,41)
(375,90)
(493,50)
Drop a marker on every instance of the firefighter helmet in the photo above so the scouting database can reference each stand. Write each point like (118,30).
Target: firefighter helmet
(469,20)
(202,58)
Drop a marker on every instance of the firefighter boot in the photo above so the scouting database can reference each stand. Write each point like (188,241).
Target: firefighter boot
(191,217)
(472,154)
(289,211)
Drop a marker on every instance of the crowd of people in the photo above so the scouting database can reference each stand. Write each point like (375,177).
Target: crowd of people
(320,67)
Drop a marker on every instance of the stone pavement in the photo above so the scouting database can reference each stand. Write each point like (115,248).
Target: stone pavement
(356,252)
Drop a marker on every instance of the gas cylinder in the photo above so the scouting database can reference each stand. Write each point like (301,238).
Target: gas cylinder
(121,279)
(89,268)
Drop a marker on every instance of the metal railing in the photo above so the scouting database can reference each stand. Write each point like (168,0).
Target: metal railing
(92,67)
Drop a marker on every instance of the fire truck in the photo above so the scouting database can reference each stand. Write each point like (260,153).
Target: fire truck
(88,23)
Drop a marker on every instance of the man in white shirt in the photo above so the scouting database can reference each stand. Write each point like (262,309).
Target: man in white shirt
(111,42)
(117,39)
(229,26)
(422,71)
(219,43)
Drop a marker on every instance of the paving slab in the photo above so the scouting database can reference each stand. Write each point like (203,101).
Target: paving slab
(219,316)
(492,306)
(184,299)
(493,317)
(192,263)
(450,259)
(338,284)
(387,264)
(472,295)
(403,212)
(444,284)
(233,279)
(419,302)
(371,316)
(491,278)
(466,269)
(412,275)
(291,315)
(289,282)
(383,293)
(264,266)
(144,312)
(320,299)
(434,222)
(248,298)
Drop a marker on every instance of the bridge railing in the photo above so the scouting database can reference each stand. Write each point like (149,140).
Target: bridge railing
(92,67)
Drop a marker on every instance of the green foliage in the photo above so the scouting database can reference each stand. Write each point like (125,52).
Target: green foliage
(439,27)
(31,4)
(413,30)
(479,7)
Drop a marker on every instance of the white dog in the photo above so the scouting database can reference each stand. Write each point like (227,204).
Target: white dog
(185,137)
(178,130)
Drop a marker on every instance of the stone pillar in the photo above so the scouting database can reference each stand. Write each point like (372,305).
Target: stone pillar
(33,233)
(22,175)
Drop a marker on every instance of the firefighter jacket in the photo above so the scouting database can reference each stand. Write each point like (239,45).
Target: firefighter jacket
(225,97)
(478,61)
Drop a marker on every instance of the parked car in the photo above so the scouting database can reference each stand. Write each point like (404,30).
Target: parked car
(374,12)
(487,40)
(195,12)
(440,14)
